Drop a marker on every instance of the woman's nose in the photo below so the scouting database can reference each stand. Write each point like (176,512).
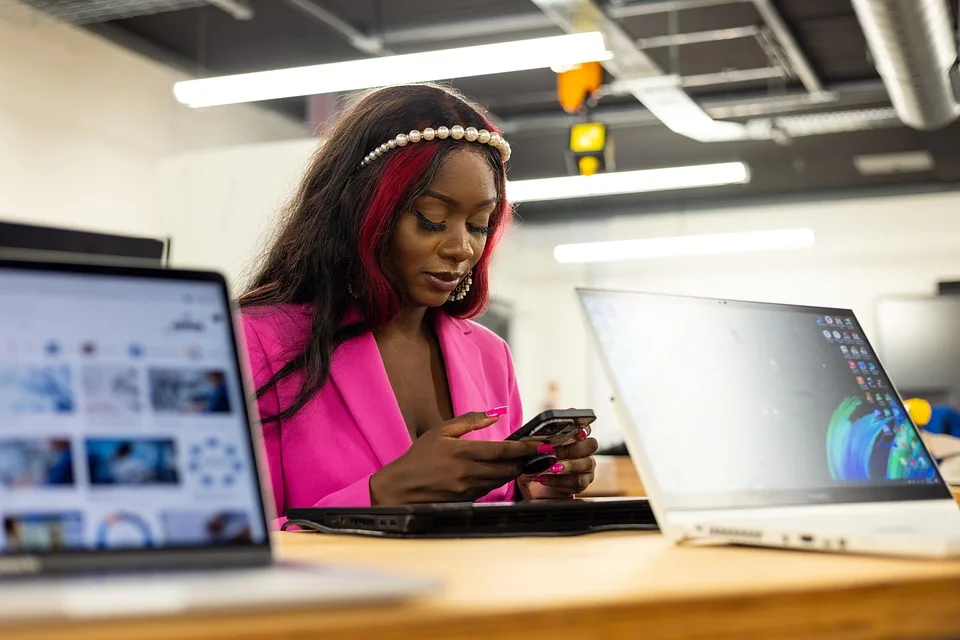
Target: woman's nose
(457,246)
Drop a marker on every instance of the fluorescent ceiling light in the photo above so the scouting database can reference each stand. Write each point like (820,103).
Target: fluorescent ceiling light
(521,55)
(713,244)
(606,184)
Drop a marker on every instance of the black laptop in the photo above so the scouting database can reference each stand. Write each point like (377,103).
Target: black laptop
(481,520)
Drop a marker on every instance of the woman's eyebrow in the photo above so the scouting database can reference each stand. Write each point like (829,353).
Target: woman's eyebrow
(453,201)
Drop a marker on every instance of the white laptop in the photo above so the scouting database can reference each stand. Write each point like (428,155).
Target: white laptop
(769,425)
(127,445)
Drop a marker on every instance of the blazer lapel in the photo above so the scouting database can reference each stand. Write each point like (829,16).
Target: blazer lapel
(463,363)
(357,371)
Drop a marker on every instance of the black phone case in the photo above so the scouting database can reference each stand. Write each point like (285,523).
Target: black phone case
(580,417)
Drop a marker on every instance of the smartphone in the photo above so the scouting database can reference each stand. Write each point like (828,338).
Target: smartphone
(555,426)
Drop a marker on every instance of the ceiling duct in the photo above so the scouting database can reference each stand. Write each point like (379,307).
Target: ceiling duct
(914,49)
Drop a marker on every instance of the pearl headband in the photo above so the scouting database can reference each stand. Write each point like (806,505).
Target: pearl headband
(470,134)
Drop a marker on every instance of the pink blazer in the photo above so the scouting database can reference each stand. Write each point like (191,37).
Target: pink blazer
(325,454)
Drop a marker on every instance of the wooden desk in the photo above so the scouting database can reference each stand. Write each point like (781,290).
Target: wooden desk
(625,585)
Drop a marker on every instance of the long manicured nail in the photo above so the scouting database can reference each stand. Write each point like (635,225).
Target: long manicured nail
(547,448)
(496,412)
(542,479)
(582,434)
(557,468)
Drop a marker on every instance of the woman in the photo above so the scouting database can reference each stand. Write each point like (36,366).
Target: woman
(373,387)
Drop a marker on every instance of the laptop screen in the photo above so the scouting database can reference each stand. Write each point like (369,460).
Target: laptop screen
(746,404)
(122,417)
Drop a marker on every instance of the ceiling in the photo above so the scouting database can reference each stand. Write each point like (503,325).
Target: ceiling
(207,40)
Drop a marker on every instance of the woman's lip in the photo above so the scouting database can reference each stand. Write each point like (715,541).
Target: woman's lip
(443,285)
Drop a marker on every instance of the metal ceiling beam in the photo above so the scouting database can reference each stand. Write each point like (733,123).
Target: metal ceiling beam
(640,75)
(801,66)
(733,76)
(359,40)
(840,96)
(652,7)
(486,27)
(480,28)
(698,37)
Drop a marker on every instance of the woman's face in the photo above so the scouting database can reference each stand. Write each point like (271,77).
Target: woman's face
(440,239)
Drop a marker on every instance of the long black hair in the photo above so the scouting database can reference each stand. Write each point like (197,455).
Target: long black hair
(331,249)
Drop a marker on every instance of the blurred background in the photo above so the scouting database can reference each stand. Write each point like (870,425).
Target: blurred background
(806,151)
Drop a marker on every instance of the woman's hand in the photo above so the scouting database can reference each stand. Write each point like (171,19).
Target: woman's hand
(442,467)
(572,473)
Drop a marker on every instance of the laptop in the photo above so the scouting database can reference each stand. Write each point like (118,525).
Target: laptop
(482,520)
(769,425)
(130,477)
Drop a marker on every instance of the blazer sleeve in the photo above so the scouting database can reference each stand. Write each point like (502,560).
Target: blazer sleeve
(267,405)
(261,369)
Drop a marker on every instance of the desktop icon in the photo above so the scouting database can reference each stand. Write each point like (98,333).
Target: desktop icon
(862,365)
(836,335)
(829,320)
(826,334)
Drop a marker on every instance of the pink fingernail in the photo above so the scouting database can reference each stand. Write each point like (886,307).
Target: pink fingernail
(546,447)
(496,412)
(582,434)
(542,479)
(557,468)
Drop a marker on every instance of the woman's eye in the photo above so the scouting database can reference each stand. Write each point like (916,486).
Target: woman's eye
(480,229)
(428,224)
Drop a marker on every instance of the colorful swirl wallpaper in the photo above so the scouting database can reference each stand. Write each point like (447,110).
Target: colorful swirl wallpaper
(873,447)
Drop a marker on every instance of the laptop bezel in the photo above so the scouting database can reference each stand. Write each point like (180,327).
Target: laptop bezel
(179,557)
(631,433)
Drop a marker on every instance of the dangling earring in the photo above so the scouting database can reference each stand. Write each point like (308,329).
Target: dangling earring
(463,288)
(351,292)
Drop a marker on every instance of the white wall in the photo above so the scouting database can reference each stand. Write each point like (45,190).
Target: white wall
(218,206)
(83,123)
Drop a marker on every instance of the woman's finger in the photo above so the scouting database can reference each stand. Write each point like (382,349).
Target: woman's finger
(580,449)
(574,466)
(572,483)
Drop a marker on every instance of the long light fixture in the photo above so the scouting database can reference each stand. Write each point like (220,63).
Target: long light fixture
(606,184)
(487,59)
(694,245)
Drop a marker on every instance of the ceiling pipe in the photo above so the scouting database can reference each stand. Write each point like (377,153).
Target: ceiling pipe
(358,39)
(914,48)
(239,9)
